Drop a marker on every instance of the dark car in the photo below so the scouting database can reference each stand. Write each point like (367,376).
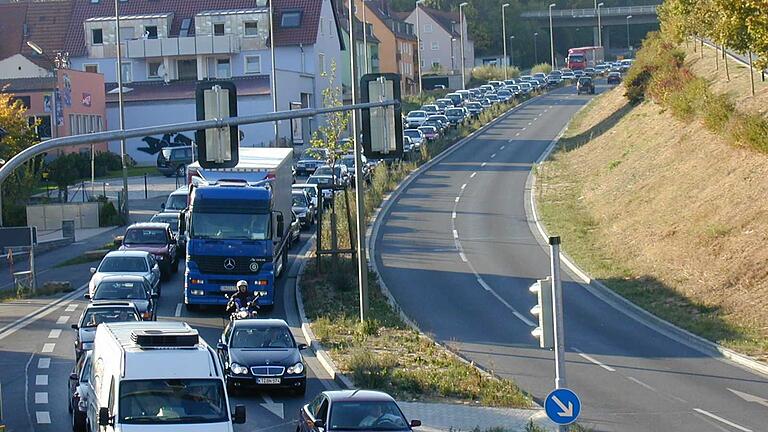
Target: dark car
(475,108)
(294,230)
(303,208)
(101,312)
(76,385)
(614,77)
(134,289)
(353,410)
(172,219)
(174,160)
(157,239)
(262,353)
(310,160)
(349,161)
(455,116)
(585,85)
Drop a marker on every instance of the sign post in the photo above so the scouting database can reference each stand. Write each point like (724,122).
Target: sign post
(26,237)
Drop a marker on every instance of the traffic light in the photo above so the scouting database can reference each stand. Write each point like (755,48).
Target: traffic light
(543,310)
(217,147)
(382,127)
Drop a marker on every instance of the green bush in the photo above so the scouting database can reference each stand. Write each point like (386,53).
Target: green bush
(686,103)
(717,111)
(370,370)
(751,130)
(109,161)
(493,73)
(541,67)
(108,215)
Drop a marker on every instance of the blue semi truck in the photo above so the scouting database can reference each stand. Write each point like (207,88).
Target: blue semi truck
(237,227)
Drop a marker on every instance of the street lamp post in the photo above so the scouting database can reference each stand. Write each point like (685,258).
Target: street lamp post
(551,38)
(599,25)
(121,109)
(273,78)
(365,43)
(536,48)
(505,63)
(511,51)
(629,46)
(463,61)
(418,42)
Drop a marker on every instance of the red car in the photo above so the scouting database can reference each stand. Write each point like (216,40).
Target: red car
(157,239)
(430,132)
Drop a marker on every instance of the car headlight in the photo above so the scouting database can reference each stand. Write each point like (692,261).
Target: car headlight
(296,369)
(238,369)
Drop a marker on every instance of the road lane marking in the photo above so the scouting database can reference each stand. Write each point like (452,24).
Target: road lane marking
(71,307)
(54,334)
(462,256)
(483,164)
(502,147)
(43,417)
(483,284)
(43,363)
(530,123)
(512,140)
(750,398)
(602,365)
(48,348)
(36,315)
(457,199)
(522,129)
(473,174)
(517,134)
(62,319)
(464,186)
(453,215)
(41,397)
(638,382)
(455,234)
(178,310)
(41,380)
(718,418)
(493,155)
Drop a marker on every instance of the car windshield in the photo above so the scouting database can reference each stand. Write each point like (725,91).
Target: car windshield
(369,416)
(578,58)
(96,316)
(123,264)
(120,290)
(180,401)
(299,200)
(276,337)
(412,134)
(584,81)
(145,236)
(176,202)
(454,112)
(320,180)
(415,114)
(328,171)
(230,226)
(173,221)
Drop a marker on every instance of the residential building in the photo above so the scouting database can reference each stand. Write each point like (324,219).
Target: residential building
(440,37)
(371,65)
(397,42)
(168,46)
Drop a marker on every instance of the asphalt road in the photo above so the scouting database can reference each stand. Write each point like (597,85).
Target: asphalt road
(36,355)
(457,251)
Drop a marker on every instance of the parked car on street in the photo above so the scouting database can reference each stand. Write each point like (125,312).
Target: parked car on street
(98,312)
(134,289)
(353,410)
(585,85)
(127,262)
(174,160)
(262,353)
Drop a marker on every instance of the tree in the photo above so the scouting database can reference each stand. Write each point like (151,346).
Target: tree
(63,171)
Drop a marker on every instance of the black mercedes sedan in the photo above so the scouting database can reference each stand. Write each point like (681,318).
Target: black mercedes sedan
(262,353)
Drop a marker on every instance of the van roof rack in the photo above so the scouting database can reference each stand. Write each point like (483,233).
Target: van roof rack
(156,338)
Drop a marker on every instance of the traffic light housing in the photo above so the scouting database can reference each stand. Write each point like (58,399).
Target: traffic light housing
(217,147)
(382,127)
(545,332)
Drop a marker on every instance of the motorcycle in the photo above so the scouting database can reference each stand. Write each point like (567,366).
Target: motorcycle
(242,311)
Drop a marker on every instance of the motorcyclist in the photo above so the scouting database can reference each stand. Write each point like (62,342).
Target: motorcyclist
(240,298)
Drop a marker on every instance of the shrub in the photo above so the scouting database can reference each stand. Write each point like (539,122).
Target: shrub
(493,73)
(689,100)
(108,160)
(108,215)
(717,111)
(541,67)
(751,130)
(370,370)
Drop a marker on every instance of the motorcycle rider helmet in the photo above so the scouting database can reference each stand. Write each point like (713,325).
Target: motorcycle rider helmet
(242,285)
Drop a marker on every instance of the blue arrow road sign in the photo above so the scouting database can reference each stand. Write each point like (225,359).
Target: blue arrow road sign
(562,406)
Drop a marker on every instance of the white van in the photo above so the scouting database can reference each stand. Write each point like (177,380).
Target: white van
(157,376)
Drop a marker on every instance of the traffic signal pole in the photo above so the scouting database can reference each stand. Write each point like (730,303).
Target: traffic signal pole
(557,312)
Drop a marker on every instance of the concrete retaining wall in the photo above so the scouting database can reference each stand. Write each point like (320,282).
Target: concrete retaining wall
(49,216)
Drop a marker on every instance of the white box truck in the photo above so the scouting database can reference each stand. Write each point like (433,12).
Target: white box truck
(157,376)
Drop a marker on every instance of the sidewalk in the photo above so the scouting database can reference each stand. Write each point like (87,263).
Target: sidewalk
(455,417)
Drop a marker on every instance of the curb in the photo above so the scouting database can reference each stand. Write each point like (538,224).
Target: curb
(601,291)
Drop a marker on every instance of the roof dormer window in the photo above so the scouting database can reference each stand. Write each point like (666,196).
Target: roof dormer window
(290,19)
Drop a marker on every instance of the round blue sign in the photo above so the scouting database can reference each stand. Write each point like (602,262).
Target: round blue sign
(562,406)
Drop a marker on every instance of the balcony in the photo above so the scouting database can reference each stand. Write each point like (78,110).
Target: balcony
(183,46)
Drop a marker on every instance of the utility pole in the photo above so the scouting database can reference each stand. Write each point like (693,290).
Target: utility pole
(365,44)
(273,78)
(629,45)
(121,108)
(557,313)
(504,63)
(535,47)
(463,61)
(512,51)
(552,38)
(421,63)
(599,25)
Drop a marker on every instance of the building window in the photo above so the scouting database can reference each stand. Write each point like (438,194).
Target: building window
(42,125)
(92,68)
(251,28)
(252,64)
(73,126)
(150,32)
(218,29)
(435,46)
(428,28)
(153,69)
(222,68)
(322,26)
(436,65)
(97,36)
(185,24)
(321,62)
(290,19)
(187,69)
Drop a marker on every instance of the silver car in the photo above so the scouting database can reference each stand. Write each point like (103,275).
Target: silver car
(101,312)
(136,263)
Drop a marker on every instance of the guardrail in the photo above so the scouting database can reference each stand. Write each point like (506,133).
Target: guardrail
(604,12)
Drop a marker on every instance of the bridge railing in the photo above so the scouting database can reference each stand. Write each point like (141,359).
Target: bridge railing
(579,13)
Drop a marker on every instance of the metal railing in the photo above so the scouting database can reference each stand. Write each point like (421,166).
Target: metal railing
(586,13)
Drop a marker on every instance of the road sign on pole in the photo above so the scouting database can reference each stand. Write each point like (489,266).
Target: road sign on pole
(562,406)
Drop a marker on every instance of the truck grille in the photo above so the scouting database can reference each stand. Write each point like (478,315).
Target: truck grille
(267,370)
(227,265)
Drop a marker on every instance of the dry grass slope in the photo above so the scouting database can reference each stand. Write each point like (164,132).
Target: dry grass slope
(669,215)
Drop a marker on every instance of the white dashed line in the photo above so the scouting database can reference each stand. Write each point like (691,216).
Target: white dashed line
(493,155)
(511,140)
(483,284)
(522,129)
(62,319)
(455,234)
(54,334)
(43,363)
(638,382)
(728,422)
(530,123)
(41,397)
(43,417)
(178,310)
(473,174)
(502,147)
(48,348)
(464,186)
(71,307)
(41,380)
(462,256)
(453,215)
(457,199)
(602,365)
(483,164)
(517,134)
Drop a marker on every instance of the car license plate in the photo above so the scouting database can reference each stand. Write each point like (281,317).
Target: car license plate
(228,288)
(267,380)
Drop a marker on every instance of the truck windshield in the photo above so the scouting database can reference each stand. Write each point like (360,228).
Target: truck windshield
(177,401)
(230,226)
